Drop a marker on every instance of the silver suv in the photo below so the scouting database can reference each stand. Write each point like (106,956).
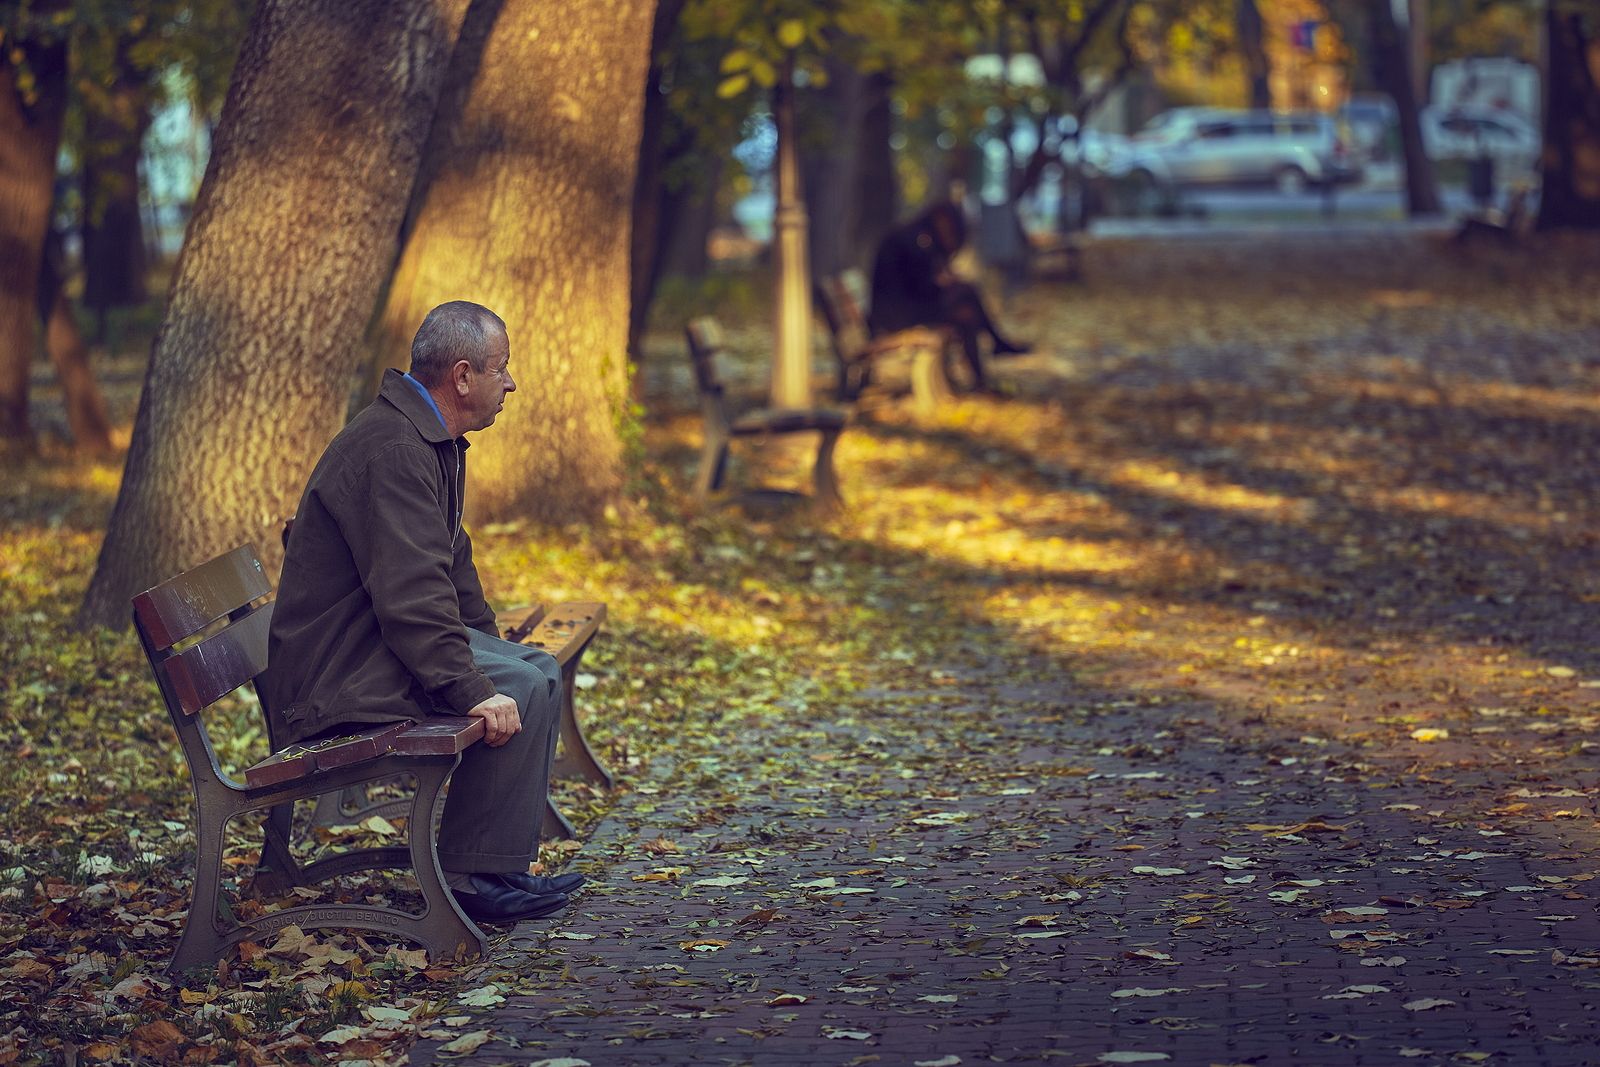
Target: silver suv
(1211,146)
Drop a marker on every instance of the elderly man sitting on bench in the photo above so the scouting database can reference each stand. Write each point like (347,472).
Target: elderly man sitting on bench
(381,617)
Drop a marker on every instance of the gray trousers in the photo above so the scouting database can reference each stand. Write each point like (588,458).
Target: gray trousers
(496,802)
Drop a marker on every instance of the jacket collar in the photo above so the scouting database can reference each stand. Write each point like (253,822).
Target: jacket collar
(404,396)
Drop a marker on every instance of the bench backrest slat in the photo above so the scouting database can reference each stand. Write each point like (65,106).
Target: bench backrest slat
(842,299)
(200,676)
(183,606)
(705,344)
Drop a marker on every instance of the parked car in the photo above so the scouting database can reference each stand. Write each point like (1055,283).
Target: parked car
(1189,147)
(1371,119)
(1474,133)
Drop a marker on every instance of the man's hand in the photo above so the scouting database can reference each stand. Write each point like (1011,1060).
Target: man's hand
(500,719)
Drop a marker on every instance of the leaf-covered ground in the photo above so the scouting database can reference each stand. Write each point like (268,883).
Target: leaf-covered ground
(1227,694)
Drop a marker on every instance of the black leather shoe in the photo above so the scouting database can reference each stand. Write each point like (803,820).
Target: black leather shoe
(492,901)
(541,884)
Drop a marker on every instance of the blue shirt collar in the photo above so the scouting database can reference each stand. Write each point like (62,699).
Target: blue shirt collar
(432,403)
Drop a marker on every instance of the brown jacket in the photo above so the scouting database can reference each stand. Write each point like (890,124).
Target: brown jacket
(378,587)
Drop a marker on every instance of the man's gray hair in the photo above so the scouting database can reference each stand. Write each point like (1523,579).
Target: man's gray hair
(453,331)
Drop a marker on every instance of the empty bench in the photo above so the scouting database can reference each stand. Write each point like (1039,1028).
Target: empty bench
(706,345)
(205,635)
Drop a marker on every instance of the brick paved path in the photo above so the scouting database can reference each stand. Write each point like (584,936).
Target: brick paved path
(1019,872)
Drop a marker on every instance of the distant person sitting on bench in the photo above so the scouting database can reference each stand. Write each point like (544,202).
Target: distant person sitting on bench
(913,285)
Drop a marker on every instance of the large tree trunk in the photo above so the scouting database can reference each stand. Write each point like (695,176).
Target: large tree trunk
(688,215)
(831,162)
(878,192)
(86,411)
(294,228)
(30,132)
(113,234)
(1391,55)
(523,207)
(1253,49)
(1571,160)
(644,243)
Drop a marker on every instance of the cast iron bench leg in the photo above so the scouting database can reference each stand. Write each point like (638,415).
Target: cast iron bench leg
(443,928)
(713,464)
(348,806)
(577,759)
(204,938)
(556,827)
(930,385)
(824,480)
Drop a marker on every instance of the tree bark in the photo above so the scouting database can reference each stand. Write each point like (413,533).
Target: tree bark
(1258,70)
(644,242)
(30,133)
(878,191)
(1391,56)
(523,207)
(294,228)
(688,215)
(1571,161)
(113,233)
(831,163)
(86,410)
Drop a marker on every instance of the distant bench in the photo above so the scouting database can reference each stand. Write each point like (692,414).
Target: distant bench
(706,346)
(205,635)
(842,299)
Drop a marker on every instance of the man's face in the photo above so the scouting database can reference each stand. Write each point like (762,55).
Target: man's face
(487,389)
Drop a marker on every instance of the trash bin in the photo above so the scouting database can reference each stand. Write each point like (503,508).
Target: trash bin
(1480,180)
(1001,242)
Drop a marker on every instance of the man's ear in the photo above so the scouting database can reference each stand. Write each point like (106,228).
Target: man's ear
(460,376)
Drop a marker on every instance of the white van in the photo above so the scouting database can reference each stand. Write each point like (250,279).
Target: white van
(1189,147)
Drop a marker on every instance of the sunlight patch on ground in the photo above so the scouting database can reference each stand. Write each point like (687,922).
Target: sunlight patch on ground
(1203,492)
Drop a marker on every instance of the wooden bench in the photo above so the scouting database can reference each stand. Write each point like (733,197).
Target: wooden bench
(842,299)
(705,346)
(1506,226)
(205,635)
(565,632)
(1055,256)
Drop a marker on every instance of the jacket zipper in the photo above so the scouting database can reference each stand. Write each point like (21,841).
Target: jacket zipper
(460,494)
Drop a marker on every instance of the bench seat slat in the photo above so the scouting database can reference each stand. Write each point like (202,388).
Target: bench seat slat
(439,735)
(355,748)
(301,761)
(915,337)
(525,627)
(204,674)
(782,420)
(183,606)
(290,765)
(566,629)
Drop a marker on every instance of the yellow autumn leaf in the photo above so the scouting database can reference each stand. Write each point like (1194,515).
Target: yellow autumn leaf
(791,33)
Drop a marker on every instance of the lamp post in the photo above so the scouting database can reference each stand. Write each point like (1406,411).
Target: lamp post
(791,368)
